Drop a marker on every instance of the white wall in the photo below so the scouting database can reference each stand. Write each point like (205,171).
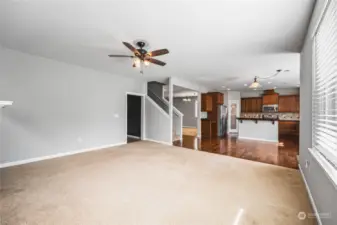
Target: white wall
(0,133)
(157,123)
(59,107)
(280,91)
(262,130)
(322,189)
(188,84)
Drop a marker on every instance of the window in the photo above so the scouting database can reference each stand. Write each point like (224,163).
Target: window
(196,109)
(324,99)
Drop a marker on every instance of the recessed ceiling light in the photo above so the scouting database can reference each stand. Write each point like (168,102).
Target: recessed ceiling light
(254,89)
(269,82)
(245,85)
(275,87)
(223,86)
(228,89)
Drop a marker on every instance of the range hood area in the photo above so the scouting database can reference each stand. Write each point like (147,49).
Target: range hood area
(270,97)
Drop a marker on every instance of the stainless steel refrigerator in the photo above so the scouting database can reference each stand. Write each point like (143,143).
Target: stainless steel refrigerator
(222,120)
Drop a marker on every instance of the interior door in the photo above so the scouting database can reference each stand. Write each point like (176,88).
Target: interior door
(233,113)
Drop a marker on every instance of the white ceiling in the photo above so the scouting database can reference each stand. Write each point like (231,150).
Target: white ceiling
(216,43)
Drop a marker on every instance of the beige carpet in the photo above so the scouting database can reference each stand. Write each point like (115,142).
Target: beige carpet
(145,183)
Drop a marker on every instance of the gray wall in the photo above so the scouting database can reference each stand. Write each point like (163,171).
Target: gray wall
(321,187)
(59,107)
(156,87)
(157,123)
(188,109)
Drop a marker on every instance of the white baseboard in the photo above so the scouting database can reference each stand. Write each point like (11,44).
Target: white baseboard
(135,137)
(25,161)
(258,139)
(310,197)
(159,142)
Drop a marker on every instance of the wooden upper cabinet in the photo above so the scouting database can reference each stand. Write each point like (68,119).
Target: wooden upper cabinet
(297,101)
(258,105)
(289,103)
(219,99)
(206,103)
(282,104)
(270,99)
(251,105)
(243,105)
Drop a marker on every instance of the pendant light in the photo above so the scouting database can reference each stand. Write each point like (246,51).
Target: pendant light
(255,84)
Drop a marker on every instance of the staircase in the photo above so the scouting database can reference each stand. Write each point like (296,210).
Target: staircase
(177,128)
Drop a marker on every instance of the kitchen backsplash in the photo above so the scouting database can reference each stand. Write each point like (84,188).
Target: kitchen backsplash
(204,115)
(280,116)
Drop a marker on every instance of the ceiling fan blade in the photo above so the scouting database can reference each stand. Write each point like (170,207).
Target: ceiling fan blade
(158,52)
(126,56)
(129,46)
(155,61)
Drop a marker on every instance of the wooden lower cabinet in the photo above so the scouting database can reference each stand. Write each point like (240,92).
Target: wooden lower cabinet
(206,131)
(288,127)
(208,128)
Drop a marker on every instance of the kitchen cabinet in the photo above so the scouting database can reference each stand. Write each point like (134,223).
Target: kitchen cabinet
(270,99)
(297,103)
(207,128)
(243,105)
(288,127)
(289,103)
(251,105)
(257,105)
(221,99)
(206,103)
(218,98)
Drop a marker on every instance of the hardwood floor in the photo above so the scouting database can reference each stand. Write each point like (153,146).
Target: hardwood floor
(283,154)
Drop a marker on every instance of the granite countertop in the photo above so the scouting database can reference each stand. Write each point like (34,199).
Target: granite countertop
(262,119)
(269,119)
(290,120)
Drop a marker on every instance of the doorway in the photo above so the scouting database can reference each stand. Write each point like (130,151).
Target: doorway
(134,118)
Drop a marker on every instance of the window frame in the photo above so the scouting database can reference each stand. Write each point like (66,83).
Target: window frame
(321,156)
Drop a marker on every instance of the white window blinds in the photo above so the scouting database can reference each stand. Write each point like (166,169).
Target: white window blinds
(325,86)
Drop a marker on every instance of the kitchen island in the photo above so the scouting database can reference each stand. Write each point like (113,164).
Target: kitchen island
(260,129)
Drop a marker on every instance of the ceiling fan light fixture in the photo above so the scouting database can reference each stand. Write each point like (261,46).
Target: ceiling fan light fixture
(137,62)
(146,63)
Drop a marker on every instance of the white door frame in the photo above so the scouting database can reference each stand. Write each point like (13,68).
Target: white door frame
(230,115)
(143,124)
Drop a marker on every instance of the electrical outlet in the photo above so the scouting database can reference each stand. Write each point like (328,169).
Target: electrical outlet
(79,140)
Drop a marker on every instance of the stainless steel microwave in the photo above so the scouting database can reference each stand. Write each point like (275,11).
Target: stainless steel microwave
(270,108)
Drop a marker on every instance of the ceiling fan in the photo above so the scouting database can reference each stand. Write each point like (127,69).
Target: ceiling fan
(141,56)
